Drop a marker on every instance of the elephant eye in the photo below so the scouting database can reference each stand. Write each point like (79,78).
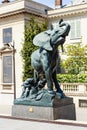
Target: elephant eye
(56,31)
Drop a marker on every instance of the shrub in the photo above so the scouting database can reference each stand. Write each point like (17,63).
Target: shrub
(32,28)
(72,78)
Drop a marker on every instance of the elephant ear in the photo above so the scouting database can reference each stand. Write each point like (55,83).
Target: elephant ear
(43,40)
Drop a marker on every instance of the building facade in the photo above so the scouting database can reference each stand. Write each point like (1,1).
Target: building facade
(76,15)
(13,17)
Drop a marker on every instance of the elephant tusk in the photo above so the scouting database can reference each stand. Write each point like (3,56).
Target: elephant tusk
(62,48)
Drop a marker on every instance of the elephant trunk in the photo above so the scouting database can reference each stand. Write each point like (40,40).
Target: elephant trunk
(66,30)
(62,48)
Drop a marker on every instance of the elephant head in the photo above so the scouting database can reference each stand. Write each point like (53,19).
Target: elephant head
(53,36)
(60,34)
(64,29)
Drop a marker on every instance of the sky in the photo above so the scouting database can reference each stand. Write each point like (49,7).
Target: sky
(51,2)
(48,2)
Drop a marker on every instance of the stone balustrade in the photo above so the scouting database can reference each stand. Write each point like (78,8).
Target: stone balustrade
(74,88)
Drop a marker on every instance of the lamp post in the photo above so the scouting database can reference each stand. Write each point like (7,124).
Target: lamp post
(14,70)
(13,56)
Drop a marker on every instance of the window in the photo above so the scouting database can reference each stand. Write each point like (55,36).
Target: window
(75,29)
(7,35)
(83,103)
(7,69)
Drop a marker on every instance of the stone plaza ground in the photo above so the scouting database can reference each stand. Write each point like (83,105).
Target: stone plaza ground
(16,124)
(7,123)
(6,102)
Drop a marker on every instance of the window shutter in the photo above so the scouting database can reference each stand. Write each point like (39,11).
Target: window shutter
(78,32)
(72,30)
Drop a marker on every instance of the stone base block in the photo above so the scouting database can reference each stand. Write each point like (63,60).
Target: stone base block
(63,110)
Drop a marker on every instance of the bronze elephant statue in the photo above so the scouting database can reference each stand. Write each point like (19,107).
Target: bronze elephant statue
(44,59)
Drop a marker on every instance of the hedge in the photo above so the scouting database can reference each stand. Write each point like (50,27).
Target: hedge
(72,78)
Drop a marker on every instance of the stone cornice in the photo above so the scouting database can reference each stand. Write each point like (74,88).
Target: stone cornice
(68,11)
(22,11)
(5,50)
(11,13)
(22,6)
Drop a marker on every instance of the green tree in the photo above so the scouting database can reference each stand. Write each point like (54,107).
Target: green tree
(77,59)
(31,29)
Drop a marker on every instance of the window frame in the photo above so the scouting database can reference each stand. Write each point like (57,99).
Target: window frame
(7,35)
(75,32)
(11,76)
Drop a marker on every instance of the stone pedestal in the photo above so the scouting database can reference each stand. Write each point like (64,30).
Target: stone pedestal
(61,109)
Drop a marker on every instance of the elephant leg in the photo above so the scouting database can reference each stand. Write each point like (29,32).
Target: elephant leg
(48,76)
(57,86)
(46,69)
(35,76)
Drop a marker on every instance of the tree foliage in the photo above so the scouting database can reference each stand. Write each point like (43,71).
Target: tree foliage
(72,78)
(77,59)
(32,28)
